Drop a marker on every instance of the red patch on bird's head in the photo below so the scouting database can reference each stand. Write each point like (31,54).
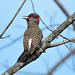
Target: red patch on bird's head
(37,17)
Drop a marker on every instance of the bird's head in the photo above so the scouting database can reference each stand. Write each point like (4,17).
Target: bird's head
(33,17)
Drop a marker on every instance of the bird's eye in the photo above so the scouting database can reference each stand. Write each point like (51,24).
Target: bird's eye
(27,19)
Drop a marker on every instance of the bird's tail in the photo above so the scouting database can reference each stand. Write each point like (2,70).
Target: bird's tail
(22,57)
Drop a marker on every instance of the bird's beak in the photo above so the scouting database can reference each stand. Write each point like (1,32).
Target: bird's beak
(25,17)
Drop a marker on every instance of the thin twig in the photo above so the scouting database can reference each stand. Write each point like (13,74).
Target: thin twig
(64,10)
(52,30)
(63,42)
(68,48)
(12,19)
(61,61)
(4,37)
(50,23)
(33,6)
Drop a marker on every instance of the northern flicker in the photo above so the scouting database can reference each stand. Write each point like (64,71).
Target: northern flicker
(32,36)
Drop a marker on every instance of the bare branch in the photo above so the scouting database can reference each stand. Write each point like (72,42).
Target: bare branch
(12,19)
(64,10)
(63,42)
(4,37)
(33,6)
(68,48)
(59,29)
(61,61)
(44,46)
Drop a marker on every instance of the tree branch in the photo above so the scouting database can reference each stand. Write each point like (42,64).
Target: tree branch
(61,61)
(4,37)
(12,19)
(44,46)
(63,42)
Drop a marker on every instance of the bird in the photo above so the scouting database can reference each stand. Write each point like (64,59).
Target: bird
(32,36)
